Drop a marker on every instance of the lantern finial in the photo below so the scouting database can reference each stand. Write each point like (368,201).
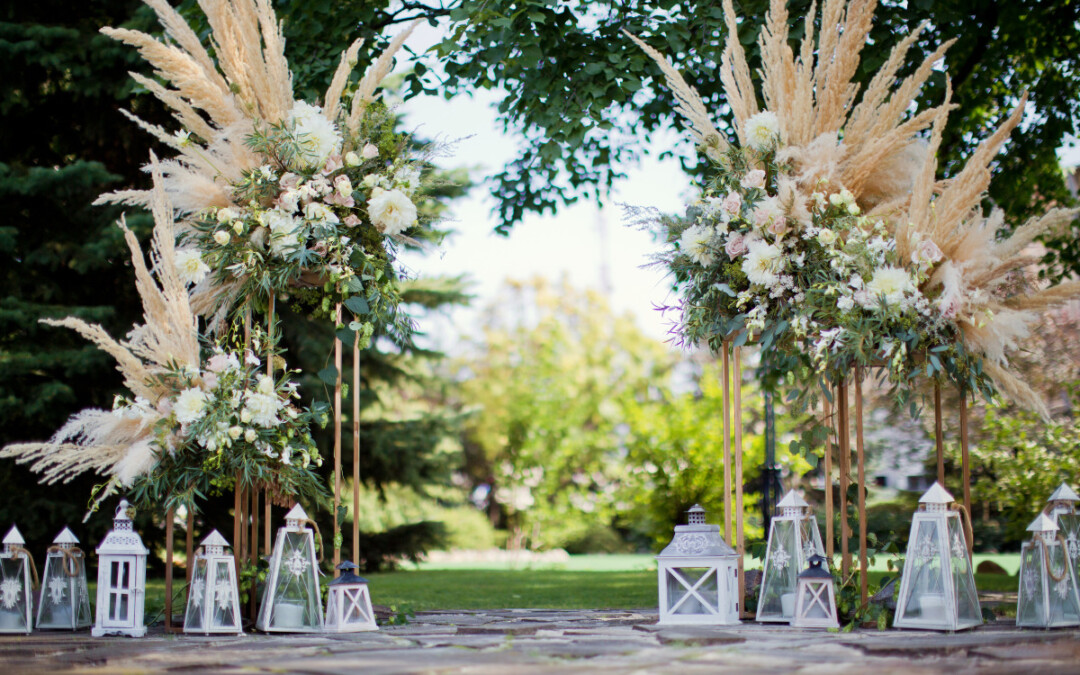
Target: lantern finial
(695,515)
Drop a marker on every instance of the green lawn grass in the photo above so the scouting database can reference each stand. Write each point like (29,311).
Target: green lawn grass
(584,582)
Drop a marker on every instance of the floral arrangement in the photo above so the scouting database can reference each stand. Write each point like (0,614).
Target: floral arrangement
(188,426)
(823,234)
(280,197)
(228,419)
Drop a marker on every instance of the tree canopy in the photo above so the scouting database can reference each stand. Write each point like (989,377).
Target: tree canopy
(576,88)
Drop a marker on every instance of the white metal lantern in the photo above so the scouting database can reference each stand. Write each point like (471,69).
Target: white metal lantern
(698,575)
(1062,509)
(214,597)
(937,589)
(348,602)
(815,604)
(65,601)
(1048,595)
(291,601)
(16,592)
(793,538)
(121,581)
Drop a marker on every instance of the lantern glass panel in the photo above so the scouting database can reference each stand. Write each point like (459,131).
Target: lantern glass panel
(13,594)
(296,602)
(967,598)
(926,593)
(784,560)
(815,597)
(1030,605)
(222,595)
(193,617)
(1048,594)
(693,590)
(1069,527)
(63,594)
(119,602)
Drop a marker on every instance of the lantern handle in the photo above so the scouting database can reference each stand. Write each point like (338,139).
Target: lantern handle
(70,559)
(1046,559)
(965,520)
(318,538)
(33,567)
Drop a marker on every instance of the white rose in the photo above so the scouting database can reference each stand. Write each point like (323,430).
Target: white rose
(190,266)
(250,435)
(235,432)
(227,215)
(190,406)
(352,159)
(284,231)
(320,213)
(391,211)
(826,237)
(221,237)
(763,131)
(318,137)
(370,151)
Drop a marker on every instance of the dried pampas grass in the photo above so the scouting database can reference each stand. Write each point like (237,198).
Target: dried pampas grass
(121,446)
(220,103)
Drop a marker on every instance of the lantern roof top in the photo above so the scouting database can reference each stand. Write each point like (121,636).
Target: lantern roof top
(792,500)
(697,539)
(1064,493)
(347,574)
(817,569)
(296,513)
(122,511)
(1043,524)
(66,536)
(122,539)
(215,539)
(14,537)
(937,495)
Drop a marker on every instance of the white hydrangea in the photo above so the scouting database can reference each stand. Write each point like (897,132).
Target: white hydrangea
(318,137)
(190,266)
(695,241)
(391,211)
(763,131)
(190,406)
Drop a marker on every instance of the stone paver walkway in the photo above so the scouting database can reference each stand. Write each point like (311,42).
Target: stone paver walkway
(544,641)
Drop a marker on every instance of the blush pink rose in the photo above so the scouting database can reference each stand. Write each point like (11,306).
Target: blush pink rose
(778,226)
(351,220)
(732,203)
(333,163)
(754,179)
(736,245)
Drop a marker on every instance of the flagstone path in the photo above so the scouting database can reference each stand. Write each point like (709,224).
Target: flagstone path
(545,641)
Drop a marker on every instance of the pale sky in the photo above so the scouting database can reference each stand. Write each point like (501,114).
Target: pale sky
(568,243)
